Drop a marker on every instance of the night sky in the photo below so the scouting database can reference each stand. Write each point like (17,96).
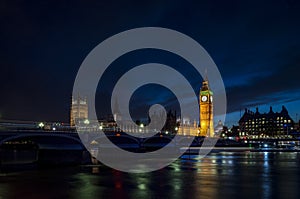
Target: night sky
(255,44)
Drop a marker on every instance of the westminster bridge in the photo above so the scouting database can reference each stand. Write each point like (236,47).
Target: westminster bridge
(50,147)
(68,140)
(25,146)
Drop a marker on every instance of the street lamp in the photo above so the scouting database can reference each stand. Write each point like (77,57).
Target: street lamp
(41,124)
(86,121)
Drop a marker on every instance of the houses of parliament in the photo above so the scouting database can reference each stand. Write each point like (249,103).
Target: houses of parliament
(181,126)
(206,116)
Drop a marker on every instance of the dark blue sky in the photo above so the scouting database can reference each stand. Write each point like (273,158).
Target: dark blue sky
(255,44)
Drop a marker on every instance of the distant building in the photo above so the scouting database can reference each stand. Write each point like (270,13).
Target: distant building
(188,127)
(171,122)
(297,126)
(116,112)
(79,110)
(267,124)
(219,128)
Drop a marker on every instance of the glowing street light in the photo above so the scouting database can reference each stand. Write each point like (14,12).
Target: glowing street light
(41,124)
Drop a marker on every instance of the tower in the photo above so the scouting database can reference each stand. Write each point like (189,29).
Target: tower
(206,110)
(116,112)
(79,110)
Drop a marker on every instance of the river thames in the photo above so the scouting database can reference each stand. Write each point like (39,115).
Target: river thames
(218,175)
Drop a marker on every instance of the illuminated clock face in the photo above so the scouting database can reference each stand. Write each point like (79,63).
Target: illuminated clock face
(204,98)
(211,98)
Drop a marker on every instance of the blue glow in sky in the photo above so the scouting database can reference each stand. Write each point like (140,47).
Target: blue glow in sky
(255,44)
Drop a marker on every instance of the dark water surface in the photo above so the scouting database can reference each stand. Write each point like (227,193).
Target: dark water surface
(219,175)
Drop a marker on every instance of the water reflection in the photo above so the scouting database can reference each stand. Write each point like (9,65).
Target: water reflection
(219,175)
(266,177)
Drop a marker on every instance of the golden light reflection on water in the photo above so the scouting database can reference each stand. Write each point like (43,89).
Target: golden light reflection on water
(219,175)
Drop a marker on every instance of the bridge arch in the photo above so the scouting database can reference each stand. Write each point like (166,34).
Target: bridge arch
(38,139)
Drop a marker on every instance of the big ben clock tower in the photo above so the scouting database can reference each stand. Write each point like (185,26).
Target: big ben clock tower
(206,110)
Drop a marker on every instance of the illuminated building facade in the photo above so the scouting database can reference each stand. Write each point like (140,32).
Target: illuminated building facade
(188,128)
(206,110)
(219,128)
(269,124)
(79,110)
(206,116)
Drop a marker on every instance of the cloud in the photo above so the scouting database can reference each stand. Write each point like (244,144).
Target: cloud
(281,86)
(254,43)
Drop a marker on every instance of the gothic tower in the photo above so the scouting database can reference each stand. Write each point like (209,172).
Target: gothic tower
(79,110)
(206,110)
(116,112)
